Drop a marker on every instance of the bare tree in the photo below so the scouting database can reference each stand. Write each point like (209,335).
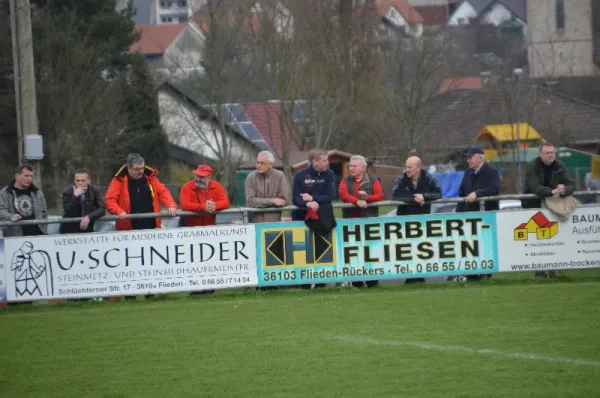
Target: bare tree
(220,80)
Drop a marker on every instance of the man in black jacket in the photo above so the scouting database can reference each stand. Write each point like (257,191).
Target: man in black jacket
(417,187)
(546,177)
(479,180)
(82,199)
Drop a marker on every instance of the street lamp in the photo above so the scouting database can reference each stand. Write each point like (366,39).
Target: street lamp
(518,72)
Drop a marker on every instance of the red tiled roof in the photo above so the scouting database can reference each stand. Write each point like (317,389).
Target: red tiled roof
(540,219)
(408,12)
(522,226)
(155,39)
(265,117)
(433,15)
(463,83)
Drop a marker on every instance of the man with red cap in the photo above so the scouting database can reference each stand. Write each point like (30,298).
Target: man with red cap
(203,194)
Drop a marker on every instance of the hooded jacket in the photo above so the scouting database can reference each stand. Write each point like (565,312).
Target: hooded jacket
(8,208)
(117,196)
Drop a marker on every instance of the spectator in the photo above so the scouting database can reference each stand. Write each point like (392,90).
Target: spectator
(81,199)
(417,187)
(314,187)
(480,180)
(266,187)
(21,200)
(360,188)
(546,176)
(203,194)
(135,189)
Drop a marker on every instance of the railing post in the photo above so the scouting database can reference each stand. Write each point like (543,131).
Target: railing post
(482,205)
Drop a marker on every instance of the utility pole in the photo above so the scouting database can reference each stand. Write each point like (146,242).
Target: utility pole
(24,75)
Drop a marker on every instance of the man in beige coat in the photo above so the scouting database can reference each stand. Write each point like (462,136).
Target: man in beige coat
(266,187)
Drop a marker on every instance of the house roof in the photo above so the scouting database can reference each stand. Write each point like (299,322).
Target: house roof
(518,7)
(479,5)
(155,39)
(461,83)
(404,8)
(456,117)
(433,15)
(508,132)
(266,118)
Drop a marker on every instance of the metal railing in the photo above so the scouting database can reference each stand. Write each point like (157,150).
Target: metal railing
(245,210)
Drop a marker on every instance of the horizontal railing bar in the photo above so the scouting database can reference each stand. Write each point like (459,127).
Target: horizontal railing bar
(244,210)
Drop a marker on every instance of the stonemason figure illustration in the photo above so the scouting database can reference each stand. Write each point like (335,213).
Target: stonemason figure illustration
(33,275)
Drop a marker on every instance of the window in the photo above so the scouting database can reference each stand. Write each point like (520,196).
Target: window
(560,14)
(166,3)
(462,21)
(166,19)
(182,3)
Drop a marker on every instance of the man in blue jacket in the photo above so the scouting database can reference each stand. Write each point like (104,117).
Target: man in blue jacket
(314,188)
(314,185)
(479,180)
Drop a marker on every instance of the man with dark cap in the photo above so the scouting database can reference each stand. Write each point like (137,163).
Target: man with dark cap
(479,181)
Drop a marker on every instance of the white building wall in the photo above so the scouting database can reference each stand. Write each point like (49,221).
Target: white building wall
(183,125)
(463,14)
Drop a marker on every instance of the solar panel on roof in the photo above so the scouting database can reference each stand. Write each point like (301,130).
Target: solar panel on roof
(250,131)
(239,113)
(226,114)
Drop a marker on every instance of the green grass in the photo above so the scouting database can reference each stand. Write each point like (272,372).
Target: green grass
(428,340)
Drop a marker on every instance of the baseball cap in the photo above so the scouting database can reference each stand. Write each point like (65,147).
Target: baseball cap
(474,151)
(203,170)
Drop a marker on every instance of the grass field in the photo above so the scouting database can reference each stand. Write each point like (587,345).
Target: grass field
(513,336)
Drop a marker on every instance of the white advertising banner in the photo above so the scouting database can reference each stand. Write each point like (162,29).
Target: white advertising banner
(535,240)
(2,273)
(130,262)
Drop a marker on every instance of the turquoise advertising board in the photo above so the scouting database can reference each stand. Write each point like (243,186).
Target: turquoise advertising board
(377,248)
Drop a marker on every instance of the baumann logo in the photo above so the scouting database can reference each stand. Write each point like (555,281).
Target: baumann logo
(538,225)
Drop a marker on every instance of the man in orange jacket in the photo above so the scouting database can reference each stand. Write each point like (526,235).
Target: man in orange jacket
(203,194)
(136,189)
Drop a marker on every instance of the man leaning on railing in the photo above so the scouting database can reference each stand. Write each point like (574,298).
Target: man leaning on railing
(479,181)
(135,189)
(547,177)
(22,200)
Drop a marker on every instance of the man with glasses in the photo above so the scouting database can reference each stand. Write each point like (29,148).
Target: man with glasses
(203,194)
(546,176)
(266,187)
(135,189)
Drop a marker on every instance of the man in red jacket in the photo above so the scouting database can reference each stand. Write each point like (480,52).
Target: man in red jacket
(136,189)
(360,188)
(203,194)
